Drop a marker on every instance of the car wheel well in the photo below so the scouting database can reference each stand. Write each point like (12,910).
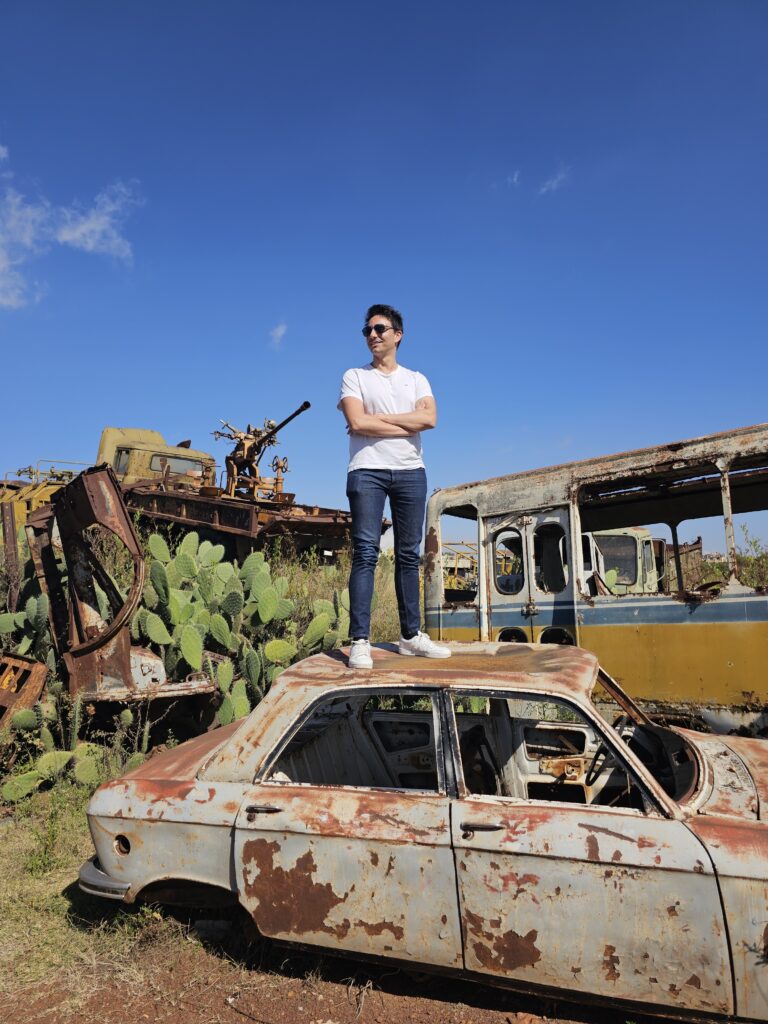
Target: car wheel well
(184,892)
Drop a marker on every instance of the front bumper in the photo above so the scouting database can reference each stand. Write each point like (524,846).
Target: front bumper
(98,883)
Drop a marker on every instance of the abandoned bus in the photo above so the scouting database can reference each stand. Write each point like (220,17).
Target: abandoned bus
(595,553)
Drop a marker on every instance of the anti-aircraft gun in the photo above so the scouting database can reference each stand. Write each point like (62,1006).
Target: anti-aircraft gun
(243,476)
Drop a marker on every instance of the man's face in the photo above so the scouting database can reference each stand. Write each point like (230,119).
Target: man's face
(387,343)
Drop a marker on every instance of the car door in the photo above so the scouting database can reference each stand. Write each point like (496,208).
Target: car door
(560,892)
(530,582)
(344,841)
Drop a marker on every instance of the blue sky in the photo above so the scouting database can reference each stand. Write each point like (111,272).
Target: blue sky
(567,201)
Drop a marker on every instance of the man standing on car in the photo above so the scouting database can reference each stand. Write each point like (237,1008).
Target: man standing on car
(386,407)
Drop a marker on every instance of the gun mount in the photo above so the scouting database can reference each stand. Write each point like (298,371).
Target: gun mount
(242,463)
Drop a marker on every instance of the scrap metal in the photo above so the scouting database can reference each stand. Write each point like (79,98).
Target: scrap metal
(21,683)
(99,659)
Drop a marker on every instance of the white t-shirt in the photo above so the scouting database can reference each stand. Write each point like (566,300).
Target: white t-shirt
(385,393)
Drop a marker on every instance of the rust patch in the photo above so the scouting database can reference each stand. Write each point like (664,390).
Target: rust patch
(507,952)
(156,790)
(374,858)
(611,964)
(288,901)
(593,850)
(519,882)
(391,865)
(380,928)
(616,856)
(431,548)
(672,911)
(694,981)
(603,831)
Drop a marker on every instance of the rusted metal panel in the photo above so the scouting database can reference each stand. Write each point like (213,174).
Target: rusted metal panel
(549,486)
(739,851)
(21,683)
(731,788)
(307,525)
(361,870)
(608,901)
(11,554)
(100,662)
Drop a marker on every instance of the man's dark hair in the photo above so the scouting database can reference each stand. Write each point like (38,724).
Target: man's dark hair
(394,317)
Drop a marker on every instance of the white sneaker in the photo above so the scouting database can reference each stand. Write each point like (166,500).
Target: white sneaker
(421,646)
(360,654)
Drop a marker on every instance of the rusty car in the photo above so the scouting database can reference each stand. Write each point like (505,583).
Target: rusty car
(510,814)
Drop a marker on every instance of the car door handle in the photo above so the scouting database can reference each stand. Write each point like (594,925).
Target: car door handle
(261,809)
(481,826)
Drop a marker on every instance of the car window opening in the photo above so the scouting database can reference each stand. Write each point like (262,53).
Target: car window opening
(526,747)
(377,741)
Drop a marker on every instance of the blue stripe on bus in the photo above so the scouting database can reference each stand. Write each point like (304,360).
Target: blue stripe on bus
(620,611)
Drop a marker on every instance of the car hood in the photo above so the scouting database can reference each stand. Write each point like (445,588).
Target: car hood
(754,754)
(738,782)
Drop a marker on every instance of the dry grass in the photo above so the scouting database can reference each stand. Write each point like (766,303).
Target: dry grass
(309,581)
(51,930)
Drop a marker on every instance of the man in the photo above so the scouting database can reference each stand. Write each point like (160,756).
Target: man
(386,407)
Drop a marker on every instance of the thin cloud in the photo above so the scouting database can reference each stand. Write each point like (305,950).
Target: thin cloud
(276,336)
(555,182)
(98,229)
(513,180)
(29,228)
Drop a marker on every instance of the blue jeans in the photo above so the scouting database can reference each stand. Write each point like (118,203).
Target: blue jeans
(367,490)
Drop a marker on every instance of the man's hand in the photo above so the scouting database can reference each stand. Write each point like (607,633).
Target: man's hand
(371,424)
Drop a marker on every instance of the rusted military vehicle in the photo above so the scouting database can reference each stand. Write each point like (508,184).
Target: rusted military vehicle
(176,486)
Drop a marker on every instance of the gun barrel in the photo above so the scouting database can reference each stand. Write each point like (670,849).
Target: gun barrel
(271,433)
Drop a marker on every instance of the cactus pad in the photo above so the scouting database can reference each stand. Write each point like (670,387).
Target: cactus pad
(7,622)
(19,786)
(158,577)
(158,548)
(220,630)
(210,555)
(186,565)
(316,630)
(285,609)
(53,763)
(279,651)
(190,544)
(155,628)
(226,712)
(268,604)
(232,603)
(192,648)
(225,673)
(24,720)
(86,772)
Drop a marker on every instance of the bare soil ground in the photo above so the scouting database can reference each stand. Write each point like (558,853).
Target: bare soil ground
(67,956)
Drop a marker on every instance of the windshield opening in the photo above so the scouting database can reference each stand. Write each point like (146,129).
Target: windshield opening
(666,755)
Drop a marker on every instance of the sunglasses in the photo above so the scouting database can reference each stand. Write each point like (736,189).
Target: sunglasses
(380,329)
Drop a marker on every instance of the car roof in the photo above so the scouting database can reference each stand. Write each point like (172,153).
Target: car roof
(550,668)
